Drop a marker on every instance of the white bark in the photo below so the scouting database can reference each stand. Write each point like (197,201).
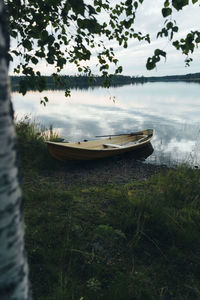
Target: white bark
(14,283)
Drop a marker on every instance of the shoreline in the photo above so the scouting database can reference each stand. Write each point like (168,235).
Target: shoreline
(118,170)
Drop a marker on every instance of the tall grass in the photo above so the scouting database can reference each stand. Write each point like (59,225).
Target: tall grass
(31,139)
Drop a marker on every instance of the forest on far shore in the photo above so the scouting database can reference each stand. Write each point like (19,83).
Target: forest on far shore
(83,81)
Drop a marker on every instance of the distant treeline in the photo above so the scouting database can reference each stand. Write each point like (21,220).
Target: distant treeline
(188,77)
(82,81)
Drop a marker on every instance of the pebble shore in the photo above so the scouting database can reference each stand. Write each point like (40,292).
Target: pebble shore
(116,170)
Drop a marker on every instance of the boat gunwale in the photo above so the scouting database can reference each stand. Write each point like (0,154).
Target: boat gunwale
(149,137)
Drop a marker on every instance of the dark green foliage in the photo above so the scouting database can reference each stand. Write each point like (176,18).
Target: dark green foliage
(185,45)
(138,241)
(188,44)
(179,4)
(77,30)
(166,12)
(151,62)
(74,31)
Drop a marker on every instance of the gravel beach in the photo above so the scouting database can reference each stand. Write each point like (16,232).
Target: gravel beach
(115,170)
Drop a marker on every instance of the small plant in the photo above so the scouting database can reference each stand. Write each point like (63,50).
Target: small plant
(94,284)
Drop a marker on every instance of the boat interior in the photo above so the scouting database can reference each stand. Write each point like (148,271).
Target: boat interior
(111,142)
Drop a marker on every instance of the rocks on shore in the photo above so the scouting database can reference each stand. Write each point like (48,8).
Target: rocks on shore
(116,170)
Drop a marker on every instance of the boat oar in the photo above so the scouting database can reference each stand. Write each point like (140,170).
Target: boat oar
(132,134)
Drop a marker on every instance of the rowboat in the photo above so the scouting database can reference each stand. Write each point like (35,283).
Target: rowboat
(109,146)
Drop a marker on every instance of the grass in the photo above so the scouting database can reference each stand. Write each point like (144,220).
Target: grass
(115,242)
(31,137)
(134,241)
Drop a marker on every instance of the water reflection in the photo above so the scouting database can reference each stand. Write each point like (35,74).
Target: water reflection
(172,109)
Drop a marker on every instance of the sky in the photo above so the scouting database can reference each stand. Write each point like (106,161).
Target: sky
(149,19)
(133,59)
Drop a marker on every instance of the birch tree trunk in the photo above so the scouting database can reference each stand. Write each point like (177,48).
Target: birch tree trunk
(14,283)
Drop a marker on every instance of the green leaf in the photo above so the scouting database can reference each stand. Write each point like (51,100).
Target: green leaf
(119,70)
(179,4)
(34,60)
(125,44)
(44,35)
(40,54)
(158,52)
(197,40)
(91,10)
(175,28)
(27,44)
(50,60)
(136,4)
(150,65)
(166,4)
(78,6)
(15,52)
(169,25)
(10,57)
(176,45)
(13,33)
(61,62)
(128,2)
(43,102)
(51,39)
(67,93)
(166,12)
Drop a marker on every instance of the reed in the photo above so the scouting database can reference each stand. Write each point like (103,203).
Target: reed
(31,139)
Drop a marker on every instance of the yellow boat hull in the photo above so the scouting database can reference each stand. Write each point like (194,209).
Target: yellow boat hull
(102,148)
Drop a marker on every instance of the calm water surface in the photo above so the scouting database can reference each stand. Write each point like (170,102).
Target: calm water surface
(172,109)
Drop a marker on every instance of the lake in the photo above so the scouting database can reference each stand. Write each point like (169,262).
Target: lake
(171,108)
